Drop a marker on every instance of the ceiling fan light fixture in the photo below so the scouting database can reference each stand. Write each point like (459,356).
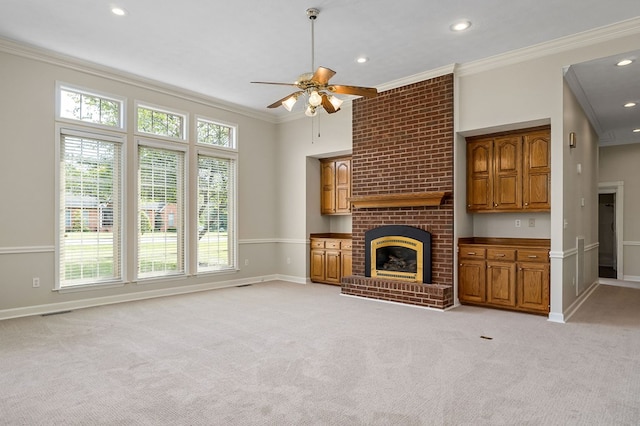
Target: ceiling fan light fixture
(315,99)
(336,102)
(289,103)
(310,111)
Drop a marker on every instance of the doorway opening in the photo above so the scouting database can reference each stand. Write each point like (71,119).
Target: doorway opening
(610,230)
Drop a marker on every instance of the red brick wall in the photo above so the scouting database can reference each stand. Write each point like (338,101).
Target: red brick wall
(403,143)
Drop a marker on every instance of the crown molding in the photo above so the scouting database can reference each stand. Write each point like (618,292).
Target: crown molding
(416,78)
(91,68)
(563,44)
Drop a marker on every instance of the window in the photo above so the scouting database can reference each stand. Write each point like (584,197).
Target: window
(211,133)
(90,179)
(75,104)
(161,191)
(216,189)
(161,123)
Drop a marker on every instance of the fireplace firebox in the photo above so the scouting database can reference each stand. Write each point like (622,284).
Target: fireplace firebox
(398,252)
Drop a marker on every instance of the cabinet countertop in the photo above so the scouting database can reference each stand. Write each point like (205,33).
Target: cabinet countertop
(335,235)
(516,242)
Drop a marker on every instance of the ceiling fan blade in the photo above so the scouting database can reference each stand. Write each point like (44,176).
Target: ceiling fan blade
(327,105)
(270,82)
(278,103)
(322,75)
(368,92)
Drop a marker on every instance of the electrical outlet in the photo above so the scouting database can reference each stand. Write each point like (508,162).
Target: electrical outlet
(36,282)
(532,223)
(518,223)
(246,262)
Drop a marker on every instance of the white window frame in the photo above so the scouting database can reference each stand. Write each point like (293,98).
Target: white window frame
(86,91)
(234,137)
(65,129)
(185,122)
(160,144)
(211,151)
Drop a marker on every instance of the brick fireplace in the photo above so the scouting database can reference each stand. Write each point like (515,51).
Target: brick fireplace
(402,156)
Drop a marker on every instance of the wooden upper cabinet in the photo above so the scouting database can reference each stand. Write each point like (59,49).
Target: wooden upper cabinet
(343,185)
(328,187)
(537,171)
(509,172)
(480,175)
(336,185)
(507,193)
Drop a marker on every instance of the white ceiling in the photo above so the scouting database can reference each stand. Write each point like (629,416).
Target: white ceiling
(217,48)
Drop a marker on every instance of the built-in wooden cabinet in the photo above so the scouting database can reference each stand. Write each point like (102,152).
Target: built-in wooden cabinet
(335,178)
(330,257)
(509,172)
(509,273)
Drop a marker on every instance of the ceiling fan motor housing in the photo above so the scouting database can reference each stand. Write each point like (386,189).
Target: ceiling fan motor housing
(313,13)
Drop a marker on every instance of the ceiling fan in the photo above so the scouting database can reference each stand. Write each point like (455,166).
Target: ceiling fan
(316,87)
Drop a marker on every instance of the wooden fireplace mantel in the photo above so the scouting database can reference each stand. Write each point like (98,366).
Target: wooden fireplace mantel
(408,199)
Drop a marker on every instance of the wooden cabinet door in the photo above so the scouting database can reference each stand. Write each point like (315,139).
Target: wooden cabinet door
(533,286)
(343,186)
(480,175)
(317,266)
(537,171)
(332,266)
(328,193)
(501,283)
(507,192)
(346,263)
(472,281)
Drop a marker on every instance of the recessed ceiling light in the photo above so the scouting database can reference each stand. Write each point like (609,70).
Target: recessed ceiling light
(362,59)
(630,104)
(460,25)
(624,62)
(118,11)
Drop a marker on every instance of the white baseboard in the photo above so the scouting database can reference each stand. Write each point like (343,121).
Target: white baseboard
(130,297)
(564,317)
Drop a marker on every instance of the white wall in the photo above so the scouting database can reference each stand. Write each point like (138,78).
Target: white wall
(580,199)
(621,163)
(27,170)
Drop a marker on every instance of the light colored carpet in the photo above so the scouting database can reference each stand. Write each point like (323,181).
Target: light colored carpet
(288,354)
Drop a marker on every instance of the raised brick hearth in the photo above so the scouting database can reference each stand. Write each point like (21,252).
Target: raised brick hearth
(403,144)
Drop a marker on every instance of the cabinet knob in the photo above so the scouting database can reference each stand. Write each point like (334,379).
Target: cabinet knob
(495,204)
(471,253)
(532,257)
(526,204)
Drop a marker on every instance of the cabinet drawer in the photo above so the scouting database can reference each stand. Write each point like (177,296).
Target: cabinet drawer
(317,244)
(533,255)
(346,245)
(332,244)
(501,254)
(472,252)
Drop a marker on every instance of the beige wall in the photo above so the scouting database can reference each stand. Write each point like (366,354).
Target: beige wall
(27,170)
(621,163)
(301,142)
